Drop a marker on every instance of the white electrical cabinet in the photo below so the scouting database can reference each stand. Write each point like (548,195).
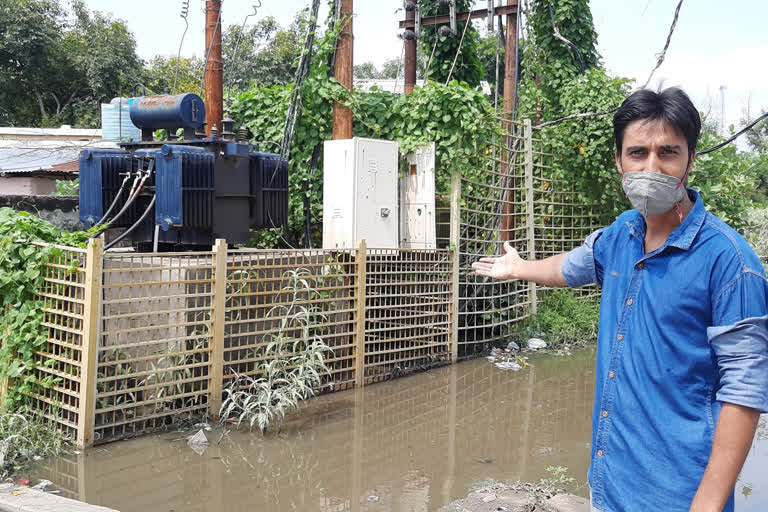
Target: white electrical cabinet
(360,193)
(417,200)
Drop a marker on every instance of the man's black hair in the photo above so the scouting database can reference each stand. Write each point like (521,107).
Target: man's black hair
(671,105)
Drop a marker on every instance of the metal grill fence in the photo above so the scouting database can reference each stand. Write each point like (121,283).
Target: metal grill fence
(140,341)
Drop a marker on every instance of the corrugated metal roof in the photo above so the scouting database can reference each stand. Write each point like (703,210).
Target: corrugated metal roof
(65,131)
(33,156)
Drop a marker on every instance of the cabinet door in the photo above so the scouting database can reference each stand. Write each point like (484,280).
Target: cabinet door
(376,201)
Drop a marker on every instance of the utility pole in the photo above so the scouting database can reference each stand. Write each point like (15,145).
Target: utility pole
(410,49)
(510,76)
(343,71)
(214,71)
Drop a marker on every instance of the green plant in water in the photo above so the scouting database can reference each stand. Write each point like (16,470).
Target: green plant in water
(291,365)
(24,438)
(562,318)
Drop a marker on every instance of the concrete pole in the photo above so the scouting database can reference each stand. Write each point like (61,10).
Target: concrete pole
(214,70)
(342,116)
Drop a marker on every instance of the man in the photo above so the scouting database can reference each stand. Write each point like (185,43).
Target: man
(682,356)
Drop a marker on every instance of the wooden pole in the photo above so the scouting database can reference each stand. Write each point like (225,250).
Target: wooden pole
(362,262)
(343,71)
(410,56)
(218,305)
(456,261)
(214,70)
(86,413)
(510,66)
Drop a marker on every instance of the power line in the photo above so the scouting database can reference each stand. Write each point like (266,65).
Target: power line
(735,136)
(558,35)
(663,53)
(458,50)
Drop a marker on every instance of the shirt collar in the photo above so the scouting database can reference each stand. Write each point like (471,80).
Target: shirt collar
(682,237)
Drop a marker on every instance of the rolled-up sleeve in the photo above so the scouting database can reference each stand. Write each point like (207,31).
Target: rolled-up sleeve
(739,340)
(579,267)
(742,359)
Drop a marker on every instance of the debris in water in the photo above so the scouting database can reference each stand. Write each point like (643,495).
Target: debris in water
(491,358)
(512,346)
(489,498)
(509,365)
(536,344)
(485,461)
(42,484)
(204,426)
(373,498)
(198,442)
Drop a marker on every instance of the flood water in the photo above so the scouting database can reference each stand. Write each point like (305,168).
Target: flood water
(413,445)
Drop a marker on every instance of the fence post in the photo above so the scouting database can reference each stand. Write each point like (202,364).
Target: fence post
(362,261)
(455,248)
(89,351)
(529,208)
(218,305)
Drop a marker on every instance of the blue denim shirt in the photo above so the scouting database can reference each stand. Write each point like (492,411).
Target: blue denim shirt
(682,329)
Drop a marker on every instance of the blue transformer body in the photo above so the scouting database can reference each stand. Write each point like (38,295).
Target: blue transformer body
(168,111)
(204,188)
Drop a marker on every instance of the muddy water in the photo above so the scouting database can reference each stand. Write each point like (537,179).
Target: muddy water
(412,444)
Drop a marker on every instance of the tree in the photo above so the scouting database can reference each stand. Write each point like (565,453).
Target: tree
(159,74)
(263,54)
(468,68)
(366,71)
(66,67)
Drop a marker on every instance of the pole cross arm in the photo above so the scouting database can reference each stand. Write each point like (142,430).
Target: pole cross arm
(444,19)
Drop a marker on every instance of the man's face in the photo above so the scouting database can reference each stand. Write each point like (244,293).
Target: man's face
(654,146)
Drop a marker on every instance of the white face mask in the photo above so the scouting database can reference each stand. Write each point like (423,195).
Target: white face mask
(652,193)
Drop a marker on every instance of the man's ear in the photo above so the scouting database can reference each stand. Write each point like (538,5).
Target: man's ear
(691,161)
(618,164)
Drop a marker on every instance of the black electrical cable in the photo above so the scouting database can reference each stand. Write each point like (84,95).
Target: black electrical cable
(116,199)
(663,53)
(735,136)
(576,51)
(135,224)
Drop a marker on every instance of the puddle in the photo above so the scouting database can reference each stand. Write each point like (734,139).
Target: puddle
(413,444)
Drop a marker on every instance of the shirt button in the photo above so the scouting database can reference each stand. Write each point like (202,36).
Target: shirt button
(641,265)
(620,337)
(630,302)
(599,453)
(605,414)
(611,374)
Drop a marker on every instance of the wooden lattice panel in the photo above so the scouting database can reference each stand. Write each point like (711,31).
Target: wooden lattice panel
(259,300)
(153,362)
(60,358)
(407,311)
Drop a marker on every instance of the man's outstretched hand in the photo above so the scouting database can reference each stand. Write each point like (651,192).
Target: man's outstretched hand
(501,267)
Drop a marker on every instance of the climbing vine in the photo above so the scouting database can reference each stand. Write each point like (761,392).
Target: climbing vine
(21,314)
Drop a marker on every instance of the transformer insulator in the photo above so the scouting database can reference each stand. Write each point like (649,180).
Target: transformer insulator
(445,31)
(409,35)
(409,5)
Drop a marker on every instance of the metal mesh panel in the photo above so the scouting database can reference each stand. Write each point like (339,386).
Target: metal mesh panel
(258,298)
(63,297)
(493,210)
(407,311)
(154,351)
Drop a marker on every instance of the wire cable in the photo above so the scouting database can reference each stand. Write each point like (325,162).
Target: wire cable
(734,136)
(663,53)
(458,50)
(115,200)
(558,35)
(134,226)
(233,64)
(184,13)
(429,62)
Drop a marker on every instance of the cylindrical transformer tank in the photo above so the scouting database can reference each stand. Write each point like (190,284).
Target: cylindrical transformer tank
(168,111)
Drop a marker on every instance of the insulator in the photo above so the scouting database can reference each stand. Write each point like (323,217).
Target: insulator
(445,31)
(409,5)
(409,35)
(184,8)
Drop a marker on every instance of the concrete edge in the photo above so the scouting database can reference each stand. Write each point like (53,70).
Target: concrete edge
(32,500)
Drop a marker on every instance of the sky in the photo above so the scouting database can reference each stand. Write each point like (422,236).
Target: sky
(714,45)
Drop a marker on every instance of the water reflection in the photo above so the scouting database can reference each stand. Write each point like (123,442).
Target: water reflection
(412,444)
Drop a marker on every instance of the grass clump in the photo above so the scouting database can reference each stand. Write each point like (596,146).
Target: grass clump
(562,319)
(24,438)
(289,368)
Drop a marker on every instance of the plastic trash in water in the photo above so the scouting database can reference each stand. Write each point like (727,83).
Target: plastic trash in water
(536,344)
(513,347)
(509,365)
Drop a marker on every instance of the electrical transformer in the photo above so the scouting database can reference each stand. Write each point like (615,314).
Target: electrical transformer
(186,191)
(360,193)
